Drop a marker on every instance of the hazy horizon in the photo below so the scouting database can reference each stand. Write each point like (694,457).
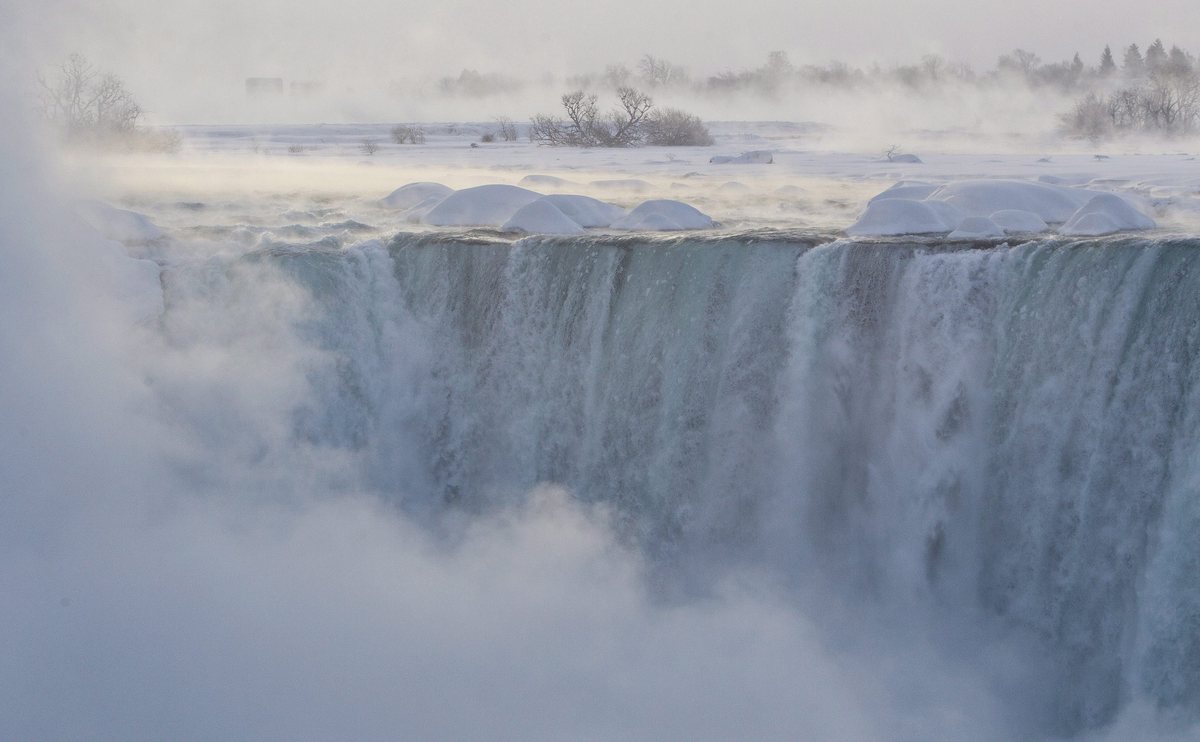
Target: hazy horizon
(187,61)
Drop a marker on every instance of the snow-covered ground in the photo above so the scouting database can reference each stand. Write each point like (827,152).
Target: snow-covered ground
(249,184)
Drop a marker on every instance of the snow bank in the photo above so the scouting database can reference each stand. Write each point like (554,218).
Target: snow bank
(118,224)
(414,194)
(541,217)
(898,216)
(757,157)
(482,206)
(977,228)
(585,210)
(663,215)
(1016,220)
(1104,214)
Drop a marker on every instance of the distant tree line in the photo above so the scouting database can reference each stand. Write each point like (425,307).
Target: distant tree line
(1130,91)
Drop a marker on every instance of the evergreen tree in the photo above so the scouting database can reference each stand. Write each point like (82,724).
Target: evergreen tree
(1134,64)
(1076,66)
(1156,55)
(1178,62)
(1107,64)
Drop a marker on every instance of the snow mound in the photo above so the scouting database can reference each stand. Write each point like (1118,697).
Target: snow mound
(663,215)
(756,157)
(898,216)
(1016,220)
(481,206)
(118,224)
(585,210)
(622,184)
(906,159)
(950,214)
(541,217)
(413,194)
(910,189)
(976,228)
(1054,204)
(733,187)
(1104,214)
(546,181)
(416,214)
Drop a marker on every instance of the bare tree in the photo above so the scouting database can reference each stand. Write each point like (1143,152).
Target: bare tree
(369,147)
(82,100)
(505,129)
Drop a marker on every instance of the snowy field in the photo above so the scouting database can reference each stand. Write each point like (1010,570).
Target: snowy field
(298,183)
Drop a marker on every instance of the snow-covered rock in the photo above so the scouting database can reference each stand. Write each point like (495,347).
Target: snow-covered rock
(977,228)
(129,227)
(481,206)
(756,157)
(951,215)
(898,216)
(546,182)
(1018,221)
(906,159)
(663,215)
(1104,214)
(541,217)
(585,210)
(413,194)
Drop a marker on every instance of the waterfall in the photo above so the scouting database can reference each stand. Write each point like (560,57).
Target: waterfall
(1006,433)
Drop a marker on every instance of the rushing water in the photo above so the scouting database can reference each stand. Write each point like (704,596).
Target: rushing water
(1007,435)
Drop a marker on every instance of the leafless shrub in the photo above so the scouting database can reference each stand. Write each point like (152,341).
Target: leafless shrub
(410,134)
(369,147)
(488,138)
(670,127)
(585,126)
(295,149)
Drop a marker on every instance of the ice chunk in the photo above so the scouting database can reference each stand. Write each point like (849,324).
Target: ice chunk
(585,210)
(756,157)
(481,206)
(1016,220)
(977,228)
(541,217)
(413,194)
(1105,214)
(129,227)
(898,216)
(662,215)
